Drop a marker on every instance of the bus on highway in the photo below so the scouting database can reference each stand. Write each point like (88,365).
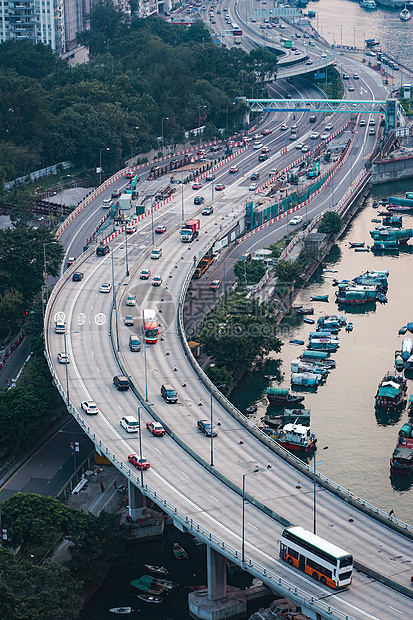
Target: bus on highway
(150,326)
(287,43)
(317,557)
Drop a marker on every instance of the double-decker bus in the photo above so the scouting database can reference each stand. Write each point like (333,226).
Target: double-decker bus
(150,326)
(317,557)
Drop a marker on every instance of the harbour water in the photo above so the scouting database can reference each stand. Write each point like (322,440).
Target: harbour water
(360,442)
(345,22)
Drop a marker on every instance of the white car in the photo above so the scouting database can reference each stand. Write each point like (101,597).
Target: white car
(323,55)
(315,135)
(252,187)
(90,407)
(257,145)
(156,280)
(63,358)
(328,127)
(128,320)
(299,146)
(305,148)
(324,136)
(284,127)
(297,219)
(131,300)
(105,288)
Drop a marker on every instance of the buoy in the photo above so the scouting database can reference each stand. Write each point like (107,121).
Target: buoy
(167,352)
(175,369)
(298,485)
(351,519)
(241,441)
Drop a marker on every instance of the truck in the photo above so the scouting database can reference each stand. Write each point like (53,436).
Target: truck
(124,201)
(189,230)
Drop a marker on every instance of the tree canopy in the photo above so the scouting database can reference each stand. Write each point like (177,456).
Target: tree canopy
(330,223)
(139,72)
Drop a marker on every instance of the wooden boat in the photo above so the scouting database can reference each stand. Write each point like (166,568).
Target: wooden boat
(403,330)
(123,611)
(305,311)
(166,583)
(366,249)
(148,584)
(148,598)
(349,327)
(282,397)
(399,361)
(251,409)
(159,570)
(179,552)
(402,458)
(299,416)
(296,341)
(357,244)
(297,307)
(319,298)
(309,321)
(391,392)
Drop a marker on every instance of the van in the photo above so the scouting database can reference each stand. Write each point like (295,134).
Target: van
(134,343)
(129,423)
(247,256)
(121,382)
(168,393)
(102,250)
(156,253)
(60,327)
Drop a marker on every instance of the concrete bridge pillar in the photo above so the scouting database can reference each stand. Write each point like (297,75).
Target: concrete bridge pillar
(137,502)
(216,575)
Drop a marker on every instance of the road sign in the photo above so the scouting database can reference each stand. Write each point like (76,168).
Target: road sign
(319,76)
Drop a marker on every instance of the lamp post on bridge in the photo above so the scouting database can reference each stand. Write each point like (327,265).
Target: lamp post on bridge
(61,192)
(255,471)
(106,148)
(212,438)
(66,364)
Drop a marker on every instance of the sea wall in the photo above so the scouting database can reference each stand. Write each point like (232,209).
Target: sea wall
(392,170)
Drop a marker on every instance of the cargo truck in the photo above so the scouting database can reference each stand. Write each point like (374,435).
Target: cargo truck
(189,230)
(124,201)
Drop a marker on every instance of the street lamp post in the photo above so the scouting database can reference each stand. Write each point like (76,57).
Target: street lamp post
(243,512)
(114,303)
(182,192)
(153,236)
(341,36)
(45,267)
(126,253)
(106,148)
(74,446)
(166,118)
(212,438)
(66,364)
(199,121)
(61,193)
(314,492)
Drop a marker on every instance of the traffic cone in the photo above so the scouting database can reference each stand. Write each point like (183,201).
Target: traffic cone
(176,265)
(219,423)
(182,257)
(200,402)
(298,485)
(170,274)
(167,352)
(351,519)
(184,383)
(162,338)
(175,369)
(269,466)
(241,441)
(160,310)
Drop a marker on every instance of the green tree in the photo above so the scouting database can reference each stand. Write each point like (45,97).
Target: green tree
(32,519)
(219,375)
(330,223)
(30,592)
(98,547)
(249,272)
(289,272)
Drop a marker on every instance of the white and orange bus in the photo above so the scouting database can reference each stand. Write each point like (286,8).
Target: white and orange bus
(317,557)
(150,326)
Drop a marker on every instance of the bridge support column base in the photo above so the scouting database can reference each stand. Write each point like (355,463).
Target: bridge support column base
(233,605)
(137,503)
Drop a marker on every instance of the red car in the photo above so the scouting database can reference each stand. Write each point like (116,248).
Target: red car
(215,284)
(155,428)
(197,186)
(138,461)
(219,187)
(160,229)
(266,132)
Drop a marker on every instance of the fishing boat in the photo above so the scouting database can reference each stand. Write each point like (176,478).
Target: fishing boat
(179,552)
(357,244)
(328,319)
(366,249)
(399,361)
(305,311)
(407,348)
(407,365)
(159,570)
(387,247)
(306,379)
(410,327)
(281,397)
(296,438)
(405,14)
(273,422)
(402,458)
(393,208)
(368,5)
(318,357)
(122,611)
(166,583)
(251,409)
(309,321)
(403,330)
(395,221)
(296,341)
(148,598)
(319,298)
(391,392)
(148,584)
(298,416)
(349,327)
(323,345)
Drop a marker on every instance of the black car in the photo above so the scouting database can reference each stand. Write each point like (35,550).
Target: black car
(116,193)
(199,200)
(102,250)
(77,276)
(121,382)
(206,428)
